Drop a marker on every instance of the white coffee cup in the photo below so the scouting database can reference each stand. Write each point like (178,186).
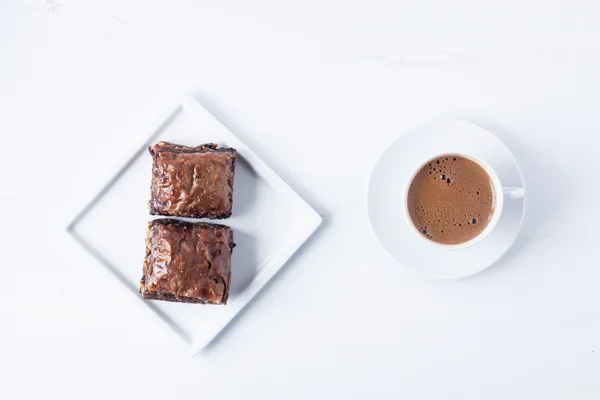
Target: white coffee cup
(500,193)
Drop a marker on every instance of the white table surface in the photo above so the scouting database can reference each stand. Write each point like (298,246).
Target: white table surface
(318,89)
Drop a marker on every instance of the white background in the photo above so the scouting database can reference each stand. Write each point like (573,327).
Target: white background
(318,89)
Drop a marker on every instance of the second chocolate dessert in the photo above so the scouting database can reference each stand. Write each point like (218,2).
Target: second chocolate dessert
(187,262)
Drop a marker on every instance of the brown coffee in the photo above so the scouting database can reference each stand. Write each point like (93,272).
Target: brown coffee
(451,199)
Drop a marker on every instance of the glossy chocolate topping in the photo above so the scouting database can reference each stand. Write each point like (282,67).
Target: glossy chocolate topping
(187,262)
(194,182)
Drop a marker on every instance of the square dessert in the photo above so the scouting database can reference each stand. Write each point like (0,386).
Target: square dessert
(194,182)
(187,262)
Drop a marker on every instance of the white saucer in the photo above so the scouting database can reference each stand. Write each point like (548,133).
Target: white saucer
(391,175)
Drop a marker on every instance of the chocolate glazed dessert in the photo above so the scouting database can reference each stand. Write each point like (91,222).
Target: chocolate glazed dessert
(187,262)
(193,182)
(451,199)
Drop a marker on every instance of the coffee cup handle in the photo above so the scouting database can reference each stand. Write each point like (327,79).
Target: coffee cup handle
(513,192)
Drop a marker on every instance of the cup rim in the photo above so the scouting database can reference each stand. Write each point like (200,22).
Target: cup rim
(499,203)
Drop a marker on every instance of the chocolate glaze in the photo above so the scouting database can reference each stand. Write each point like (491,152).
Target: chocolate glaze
(195,182)
(187,262)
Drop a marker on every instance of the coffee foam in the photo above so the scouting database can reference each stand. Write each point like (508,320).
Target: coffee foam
(451,199)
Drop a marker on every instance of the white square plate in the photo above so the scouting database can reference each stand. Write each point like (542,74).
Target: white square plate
(270,221)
